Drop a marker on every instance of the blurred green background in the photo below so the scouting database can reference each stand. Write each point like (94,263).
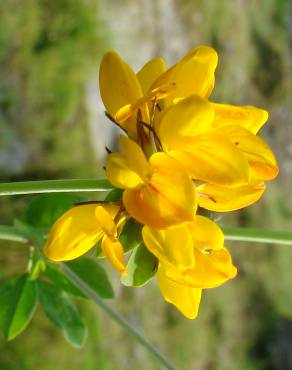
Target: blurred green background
(52,126)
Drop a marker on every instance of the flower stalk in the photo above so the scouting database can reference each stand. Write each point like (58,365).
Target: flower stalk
(55,186)
(258,236)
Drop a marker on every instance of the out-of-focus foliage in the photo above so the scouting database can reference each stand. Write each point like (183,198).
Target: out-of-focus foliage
(46,283)
(48,51)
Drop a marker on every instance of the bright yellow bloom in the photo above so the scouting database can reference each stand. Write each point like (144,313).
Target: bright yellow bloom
(80,228)
(216,143)
(123,92)
(192,75)
(159,192)
(218,150)
(191,257)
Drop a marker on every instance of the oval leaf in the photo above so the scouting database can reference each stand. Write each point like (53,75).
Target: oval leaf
(92,274)
(62,313)
(54,273)
(141,267)
(131,236)
(114,195)
(17,305)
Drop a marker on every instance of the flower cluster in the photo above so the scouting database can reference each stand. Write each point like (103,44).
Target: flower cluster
(180,153)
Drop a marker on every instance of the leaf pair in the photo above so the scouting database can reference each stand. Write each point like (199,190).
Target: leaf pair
(20,297)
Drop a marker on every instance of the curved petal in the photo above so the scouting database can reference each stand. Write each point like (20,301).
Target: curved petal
(119,173)
(105,221)
(130,169)
(188,118)
(150,72)
(213,159)
(114,251)
(192,75)
(167,199)
(118,85)
(185,299)
(211,270)
(206,234)
(130,109)
(260,157)
(135,157)
(75,232)
(223,198)
(171,246)
(249,117)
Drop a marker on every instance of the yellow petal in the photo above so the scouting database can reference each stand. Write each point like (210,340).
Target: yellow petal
(105,221)
(188,118)
(214,159)
(249,117)
(130,109)
(206,234)
(75,232)
(211,270)
(130,169)
(260,157)
(135,157)
(119,85)
(167,199)
(119,173)
(192,75)
(184,298)
(114,251)
(224,198)
(150,72)
(171,246)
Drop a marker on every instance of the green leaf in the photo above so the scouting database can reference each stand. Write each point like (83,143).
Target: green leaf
(131,235)
(94,275)
(34,236)
(17,305)
(45,209)
(62,313)
(54,273)
(114,195)
(142,266)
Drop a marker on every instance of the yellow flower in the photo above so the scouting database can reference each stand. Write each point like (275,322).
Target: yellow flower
(191,257)
(80,228)
(123,92)
(158,192)
(218,150)
(192,75)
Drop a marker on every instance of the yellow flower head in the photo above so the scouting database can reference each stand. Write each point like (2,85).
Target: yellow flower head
(80,228)
(124,93)
(158,192)
(182,151)
(218,146)
(191,257)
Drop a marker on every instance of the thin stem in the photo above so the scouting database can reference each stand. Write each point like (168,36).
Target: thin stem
(258,236)
(54,186)
(90,293)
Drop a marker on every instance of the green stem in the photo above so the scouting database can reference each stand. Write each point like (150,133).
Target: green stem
(91,294)
(54,186)
(258,236)
(10,233)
